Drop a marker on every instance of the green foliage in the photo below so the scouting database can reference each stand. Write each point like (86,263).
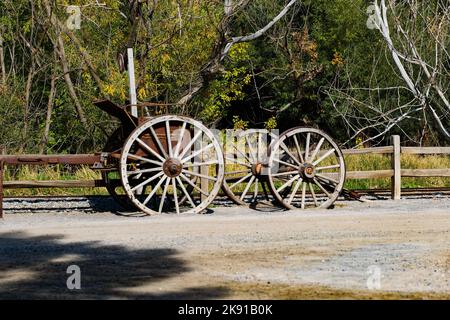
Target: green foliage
(239,124)
(319,43)
(229,87)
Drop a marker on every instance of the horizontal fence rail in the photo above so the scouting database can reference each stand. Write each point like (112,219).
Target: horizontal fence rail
(396,172)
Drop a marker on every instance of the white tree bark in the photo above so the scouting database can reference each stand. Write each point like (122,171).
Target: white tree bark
(2,60)
(383,27)
(258,33)
(213,66)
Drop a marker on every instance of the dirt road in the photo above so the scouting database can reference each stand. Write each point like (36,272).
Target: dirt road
(383,249)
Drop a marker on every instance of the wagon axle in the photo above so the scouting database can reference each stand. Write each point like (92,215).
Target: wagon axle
(307,171)
(172,167)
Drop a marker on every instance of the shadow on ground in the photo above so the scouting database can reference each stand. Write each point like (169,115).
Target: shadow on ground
(35,268)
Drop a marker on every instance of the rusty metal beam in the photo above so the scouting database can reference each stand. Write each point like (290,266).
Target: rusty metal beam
(53,184)
(69,159)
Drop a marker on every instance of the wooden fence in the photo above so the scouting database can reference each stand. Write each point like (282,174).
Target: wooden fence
(396,172)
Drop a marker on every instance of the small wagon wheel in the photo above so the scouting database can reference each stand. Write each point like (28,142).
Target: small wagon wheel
(246,159)
(177,158)
(309,164)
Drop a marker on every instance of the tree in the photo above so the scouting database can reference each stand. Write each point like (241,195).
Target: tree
(416,37)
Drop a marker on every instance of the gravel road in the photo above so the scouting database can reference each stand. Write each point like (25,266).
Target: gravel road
(379,249)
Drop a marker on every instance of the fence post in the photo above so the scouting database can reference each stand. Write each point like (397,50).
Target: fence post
(1,189)
(396,180)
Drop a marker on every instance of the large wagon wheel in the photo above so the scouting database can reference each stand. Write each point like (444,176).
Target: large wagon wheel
(310,165)
(246,159)
(176,158)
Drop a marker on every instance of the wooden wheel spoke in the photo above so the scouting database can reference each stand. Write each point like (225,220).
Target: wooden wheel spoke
(199,175)
(175,195)
(252,154)
(163,196)
(294,191)
(247,187)
(286,149)
(146,182)
(193,185)
(286,163)
(236,172)
(313,193)
(287,183)
(140,171)
(242,154)
(199,164)
(183,188)
(238,162)
(334,166)
(241,180)
(308,139)
(147,147)
(136,157)
(190,144)
(326,155)
(303,196)
(316,151)
(259,146)
(322,177)
(321,187)
(297,146)
(155,189)
(196,153)
(158,142)
(177,148)
(284,173)
(168,138)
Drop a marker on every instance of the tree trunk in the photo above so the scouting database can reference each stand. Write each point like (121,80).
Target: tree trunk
(222,47)
(48,119)
(68,79)
(59,47)
(2,61)
(26,111)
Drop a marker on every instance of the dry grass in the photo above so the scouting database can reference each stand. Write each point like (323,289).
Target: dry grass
(28,173)
(408,161)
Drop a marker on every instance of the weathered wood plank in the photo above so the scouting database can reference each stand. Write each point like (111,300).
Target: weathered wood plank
(426,172)
(376,150)
(354,175)
(396,180)
(426,150)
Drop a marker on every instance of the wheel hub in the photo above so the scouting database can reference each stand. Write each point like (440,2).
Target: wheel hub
(307,170)
(257,168)
(172,167)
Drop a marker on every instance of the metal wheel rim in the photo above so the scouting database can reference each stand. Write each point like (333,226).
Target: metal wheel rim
(286,200)
(259,183)
(163,180)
